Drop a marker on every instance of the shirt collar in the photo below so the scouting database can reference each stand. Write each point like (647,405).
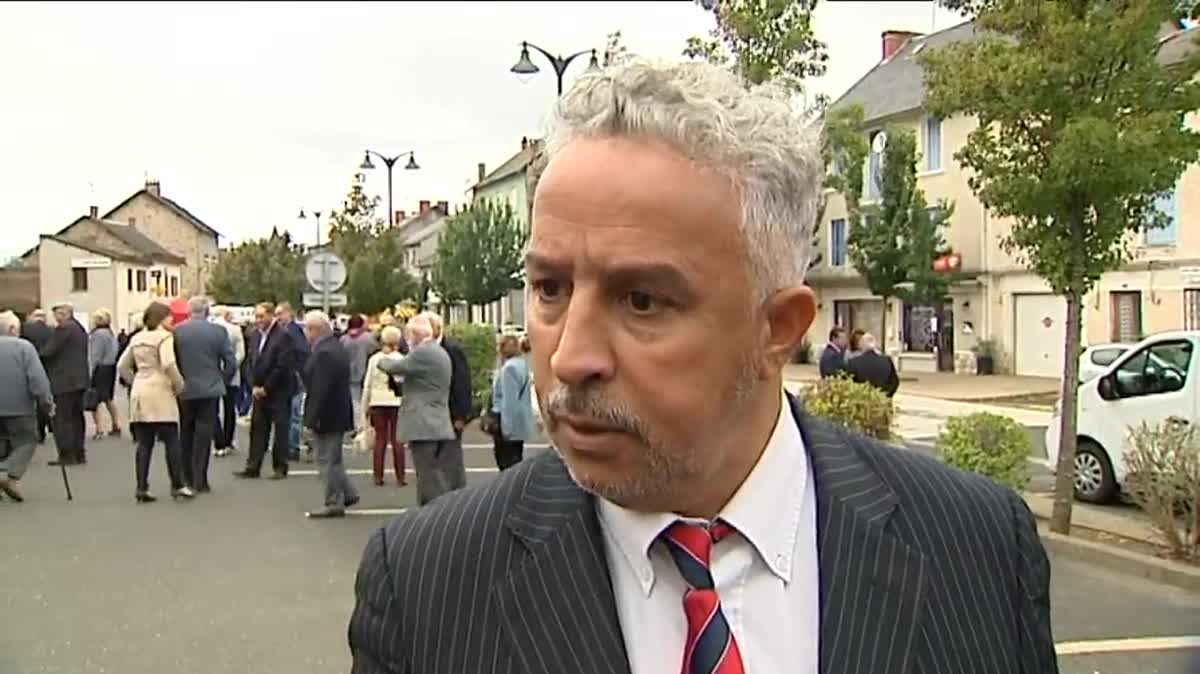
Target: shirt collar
(765,510)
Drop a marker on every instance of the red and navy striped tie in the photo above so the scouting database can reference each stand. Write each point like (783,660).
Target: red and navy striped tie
(710,647)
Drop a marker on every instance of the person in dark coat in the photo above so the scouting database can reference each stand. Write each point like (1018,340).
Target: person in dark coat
(328,412)
(273,381)
(872,367)
(833,358)
(35,331)
(66,359)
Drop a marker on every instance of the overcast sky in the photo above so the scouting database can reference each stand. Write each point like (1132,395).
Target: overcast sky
(249,112)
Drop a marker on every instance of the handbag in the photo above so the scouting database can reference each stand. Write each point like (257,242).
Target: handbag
(91,400)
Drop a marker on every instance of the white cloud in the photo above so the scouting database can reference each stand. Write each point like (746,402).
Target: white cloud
(248,112)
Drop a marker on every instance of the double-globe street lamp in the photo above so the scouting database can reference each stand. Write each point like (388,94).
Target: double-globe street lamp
(317,217)
(390,162)
(526,68)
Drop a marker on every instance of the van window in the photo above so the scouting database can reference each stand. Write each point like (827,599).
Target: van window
(1104,357)
(1159,368)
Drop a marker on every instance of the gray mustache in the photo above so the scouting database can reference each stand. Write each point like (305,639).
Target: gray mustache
(593,405)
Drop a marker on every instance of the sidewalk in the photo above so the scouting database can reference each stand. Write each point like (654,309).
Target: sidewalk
(1123,520)
(949,386)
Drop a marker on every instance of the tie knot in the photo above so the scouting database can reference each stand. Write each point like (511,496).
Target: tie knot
(691,546)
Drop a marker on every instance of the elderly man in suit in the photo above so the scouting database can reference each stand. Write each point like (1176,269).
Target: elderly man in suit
(66,358)
(207,362)
(273,379)
(424,417)
(872,367)
(686,476)
(328,412)
(35,331)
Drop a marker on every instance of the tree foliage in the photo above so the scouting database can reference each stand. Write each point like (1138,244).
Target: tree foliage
(615,52)
(479,256)
(268,269)
(763,40)
(353,228)
(373,253)
(1080,130)
(1182,9)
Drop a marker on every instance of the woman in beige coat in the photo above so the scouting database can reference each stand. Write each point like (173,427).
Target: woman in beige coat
(149,364)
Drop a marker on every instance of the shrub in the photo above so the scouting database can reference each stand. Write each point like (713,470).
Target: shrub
(1163,477)
(479,342)
(859,407)
(992,445)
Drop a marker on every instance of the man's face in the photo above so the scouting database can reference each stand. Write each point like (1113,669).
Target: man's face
(313,332)
(841,341)
(283,315)
(262,318)
(644,340)
(62,315)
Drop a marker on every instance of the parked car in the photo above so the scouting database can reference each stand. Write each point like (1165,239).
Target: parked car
(1095,359)
(1153,381)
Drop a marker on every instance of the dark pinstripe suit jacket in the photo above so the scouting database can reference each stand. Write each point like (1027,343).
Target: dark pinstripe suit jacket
(924,570)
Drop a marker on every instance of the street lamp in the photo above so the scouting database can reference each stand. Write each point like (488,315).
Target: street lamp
(390,162)
(525,68)
(317,217)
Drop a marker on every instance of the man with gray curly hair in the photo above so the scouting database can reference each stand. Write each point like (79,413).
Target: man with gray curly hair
(693,517)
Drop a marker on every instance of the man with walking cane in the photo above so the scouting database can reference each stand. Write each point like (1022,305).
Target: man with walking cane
(26,391)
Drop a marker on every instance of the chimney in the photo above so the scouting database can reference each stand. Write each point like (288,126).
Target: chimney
(154,188)
(444,207)
(132,223)
(482,171)
(894,41)
(524,143)
(94,212)
(424,203)
(399,217)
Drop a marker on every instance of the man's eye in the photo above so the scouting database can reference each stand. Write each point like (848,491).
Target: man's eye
(642,302)
(547,288)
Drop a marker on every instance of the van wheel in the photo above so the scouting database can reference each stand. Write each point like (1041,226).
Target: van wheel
(1094,481)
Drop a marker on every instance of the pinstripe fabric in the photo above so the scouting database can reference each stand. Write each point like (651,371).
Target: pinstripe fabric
(924,570)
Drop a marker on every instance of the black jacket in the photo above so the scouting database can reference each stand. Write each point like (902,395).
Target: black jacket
(833,361)
(462,400)
(876,369)
(36,333)
(274,367)
(66,358)
(327,406)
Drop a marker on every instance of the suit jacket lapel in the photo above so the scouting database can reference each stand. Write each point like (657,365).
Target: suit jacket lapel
(872,584)
(557,605)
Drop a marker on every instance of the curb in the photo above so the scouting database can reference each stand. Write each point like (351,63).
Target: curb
(1149,568)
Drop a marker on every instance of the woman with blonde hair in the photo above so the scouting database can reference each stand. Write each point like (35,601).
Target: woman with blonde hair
(149,364)
(382,406)
(512,423)
(102,361)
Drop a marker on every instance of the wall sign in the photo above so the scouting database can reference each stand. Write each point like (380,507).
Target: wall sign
(90,263)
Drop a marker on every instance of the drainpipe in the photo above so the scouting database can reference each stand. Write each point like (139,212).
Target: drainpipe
(985,251)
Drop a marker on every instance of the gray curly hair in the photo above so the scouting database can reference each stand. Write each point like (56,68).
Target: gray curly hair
(770,152)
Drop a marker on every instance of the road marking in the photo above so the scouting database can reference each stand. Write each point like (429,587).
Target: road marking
(528,445)
(304,472)
(376,511)
(1126,645)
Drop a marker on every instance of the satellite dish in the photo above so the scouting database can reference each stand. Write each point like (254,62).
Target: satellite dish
(879,142)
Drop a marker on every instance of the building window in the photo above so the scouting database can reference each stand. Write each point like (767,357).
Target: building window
(79,280)
(919,333)
(874,166)
(1191,309)
(1168,234)
(141,280)
(933,144)
(837,242)
(129,279)
(1126,317)
(174,286)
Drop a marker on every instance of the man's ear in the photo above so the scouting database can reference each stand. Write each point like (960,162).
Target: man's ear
(789,314)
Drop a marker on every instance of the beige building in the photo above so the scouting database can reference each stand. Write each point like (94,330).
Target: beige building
(96,263)
(998,298)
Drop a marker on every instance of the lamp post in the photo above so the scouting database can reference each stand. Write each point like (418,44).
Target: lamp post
(526,68)
(317,217)
(390,162)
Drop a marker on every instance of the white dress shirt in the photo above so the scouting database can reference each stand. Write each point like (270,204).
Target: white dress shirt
(766,574)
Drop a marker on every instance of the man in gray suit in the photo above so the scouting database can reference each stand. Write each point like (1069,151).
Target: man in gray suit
(837,554)
(424,418)
(207,363)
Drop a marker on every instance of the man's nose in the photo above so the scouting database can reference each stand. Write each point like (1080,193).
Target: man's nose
(584,351)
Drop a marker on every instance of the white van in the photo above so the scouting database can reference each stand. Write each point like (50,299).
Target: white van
(1155,381)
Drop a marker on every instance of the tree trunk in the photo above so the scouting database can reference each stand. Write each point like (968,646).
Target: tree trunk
(883,339)
(1064,482)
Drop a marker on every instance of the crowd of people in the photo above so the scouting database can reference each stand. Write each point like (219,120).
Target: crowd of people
(310,392)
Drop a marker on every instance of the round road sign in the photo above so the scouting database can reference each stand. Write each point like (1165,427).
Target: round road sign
(325,272)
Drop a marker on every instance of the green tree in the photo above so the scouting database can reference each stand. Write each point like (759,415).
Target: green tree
(844,150)
(763,40)
(1080,130)
(922,245)
(479,256)
(377,278)
(354,229)
(267,269)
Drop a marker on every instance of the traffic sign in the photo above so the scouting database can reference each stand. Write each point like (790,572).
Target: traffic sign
(319,299)
(325,271)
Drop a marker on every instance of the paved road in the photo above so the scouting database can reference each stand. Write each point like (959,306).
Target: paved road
(239,581)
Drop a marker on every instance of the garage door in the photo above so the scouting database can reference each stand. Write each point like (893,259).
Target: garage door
(1040,335)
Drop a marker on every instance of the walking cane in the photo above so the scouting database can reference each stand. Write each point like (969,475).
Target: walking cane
(66,481)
